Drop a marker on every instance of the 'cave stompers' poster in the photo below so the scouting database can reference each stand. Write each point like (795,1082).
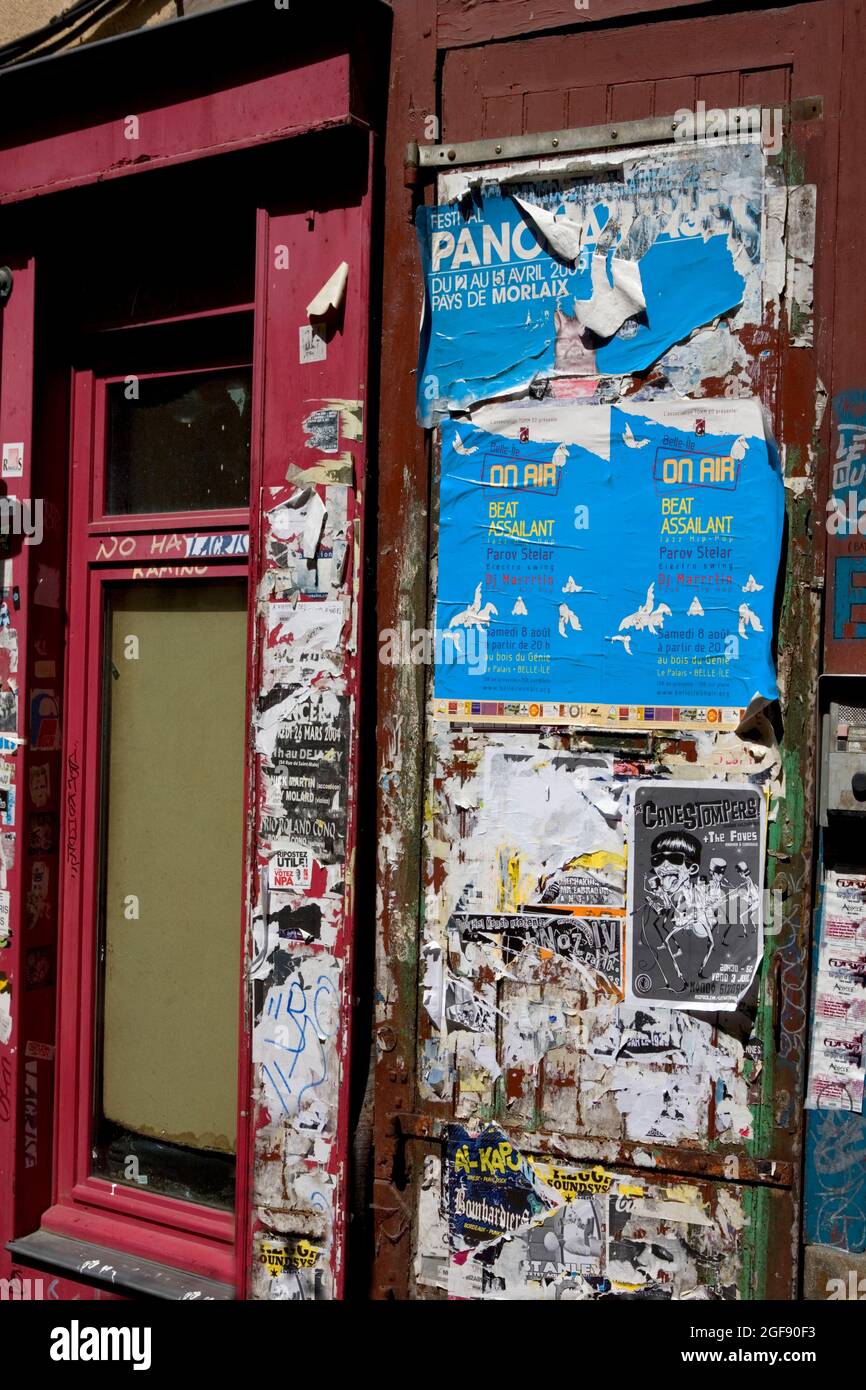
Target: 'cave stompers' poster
(695,896)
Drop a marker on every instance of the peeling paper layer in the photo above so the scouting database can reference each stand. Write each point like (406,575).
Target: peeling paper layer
(331,295)
(614,299)
(491,277)
(800,244)
(520,1228)
(563,234)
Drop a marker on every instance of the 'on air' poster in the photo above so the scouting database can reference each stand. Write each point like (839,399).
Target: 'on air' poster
(601,556)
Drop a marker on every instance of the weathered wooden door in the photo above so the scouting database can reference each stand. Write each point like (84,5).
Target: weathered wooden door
(699,1117)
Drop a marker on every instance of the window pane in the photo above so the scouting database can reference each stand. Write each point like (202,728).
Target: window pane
(172,838)
(181,445)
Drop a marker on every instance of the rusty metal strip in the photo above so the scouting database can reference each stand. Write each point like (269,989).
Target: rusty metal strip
(738,1168)
(575,140)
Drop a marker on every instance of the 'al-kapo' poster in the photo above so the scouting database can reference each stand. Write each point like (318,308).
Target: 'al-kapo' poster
(521,1227)
(607,563)
(695,905)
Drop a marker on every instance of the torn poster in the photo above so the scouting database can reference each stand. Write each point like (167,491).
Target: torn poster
(836,1064)
(582,1233)
(534,621)
(303,638)
(695,893)
(294,918)
(307,751)
(295,1266)
(521,279)
(588,937)
(490,1188)
(309,540)
(294,1043)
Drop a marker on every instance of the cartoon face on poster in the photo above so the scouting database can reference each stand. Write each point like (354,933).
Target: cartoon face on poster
(695,893)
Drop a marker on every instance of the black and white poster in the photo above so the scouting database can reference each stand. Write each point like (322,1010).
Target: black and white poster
(591,938)
(695,893)
(306,744)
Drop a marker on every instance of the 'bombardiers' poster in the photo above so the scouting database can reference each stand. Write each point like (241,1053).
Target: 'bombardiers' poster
(695,897)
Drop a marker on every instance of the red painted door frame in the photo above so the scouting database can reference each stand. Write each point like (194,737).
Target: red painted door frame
(300,238)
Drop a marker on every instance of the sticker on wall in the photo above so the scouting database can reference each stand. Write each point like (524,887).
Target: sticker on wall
(7,805)
(5,926)
(695,893)
(313,347)
(13,460)
(535,501)
(7,850)
(8,648)
(43,833)
(40,785)
(39,967)
(47,591)
(323,430)
(5,1008)
(228,543)
(38,902)
(8,707)
(290,867)
(44,720)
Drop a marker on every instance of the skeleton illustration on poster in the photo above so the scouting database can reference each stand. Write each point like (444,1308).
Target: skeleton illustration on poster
(695,902)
